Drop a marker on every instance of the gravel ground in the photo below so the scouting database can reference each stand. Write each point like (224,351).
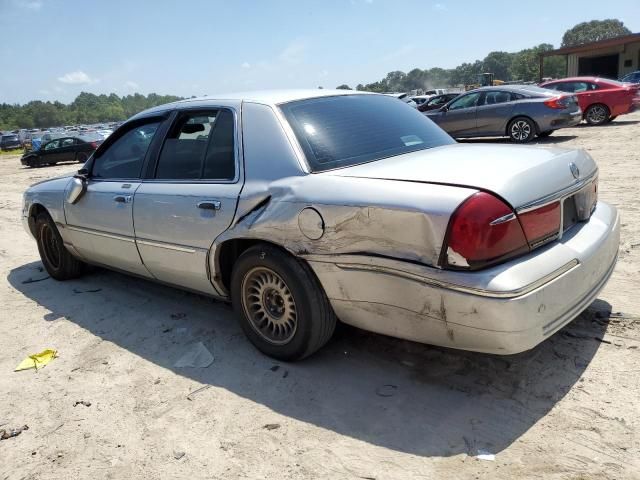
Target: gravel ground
(366,406)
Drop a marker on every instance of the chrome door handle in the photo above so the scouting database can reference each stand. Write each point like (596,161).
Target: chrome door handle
(122,198)
(210,205)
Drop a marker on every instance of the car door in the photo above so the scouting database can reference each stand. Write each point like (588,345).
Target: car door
(190,197)
(49,152)
(100,223)
(493,112)
(458,118)
(67,150)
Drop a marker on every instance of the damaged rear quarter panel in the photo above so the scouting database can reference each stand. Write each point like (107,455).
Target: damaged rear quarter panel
(401,220)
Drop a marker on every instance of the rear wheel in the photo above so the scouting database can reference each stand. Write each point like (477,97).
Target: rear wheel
(57,260)
(280,304)
(81,157)
(521,130)
(597,114)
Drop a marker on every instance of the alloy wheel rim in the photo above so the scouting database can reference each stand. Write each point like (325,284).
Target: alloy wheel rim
(521,130)
(597,114)
(50,246)
(269,305)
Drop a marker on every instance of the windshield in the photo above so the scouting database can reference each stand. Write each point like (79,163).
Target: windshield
(9,137)
(346,130)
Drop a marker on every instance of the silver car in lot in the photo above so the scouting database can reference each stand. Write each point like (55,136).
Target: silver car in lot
(520,112)
(304,207)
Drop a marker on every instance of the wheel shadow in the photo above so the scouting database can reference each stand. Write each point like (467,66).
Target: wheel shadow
(396,394)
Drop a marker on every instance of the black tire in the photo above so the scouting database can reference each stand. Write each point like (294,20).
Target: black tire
(258,307)
(611,119)
(57,260)
(81,157)
(521,130)
(545,134)
(597,114)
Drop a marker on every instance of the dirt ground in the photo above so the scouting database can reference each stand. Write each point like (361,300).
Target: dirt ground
(365,407)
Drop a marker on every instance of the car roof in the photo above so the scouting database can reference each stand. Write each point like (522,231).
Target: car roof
(580,79)
(266,97)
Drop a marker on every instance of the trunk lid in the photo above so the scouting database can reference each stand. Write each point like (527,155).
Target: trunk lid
(517,173)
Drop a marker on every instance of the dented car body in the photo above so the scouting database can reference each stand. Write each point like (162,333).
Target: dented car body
(490,248)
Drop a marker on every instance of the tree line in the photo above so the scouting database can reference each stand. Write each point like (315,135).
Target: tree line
(87,108)
(522,66)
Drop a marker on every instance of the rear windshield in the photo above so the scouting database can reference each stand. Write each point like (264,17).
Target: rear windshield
(346,130)
(9,137)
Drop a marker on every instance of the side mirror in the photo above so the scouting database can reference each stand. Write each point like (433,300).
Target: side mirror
(78,186)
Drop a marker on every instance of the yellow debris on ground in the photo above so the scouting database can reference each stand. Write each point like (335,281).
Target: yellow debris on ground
(37,360)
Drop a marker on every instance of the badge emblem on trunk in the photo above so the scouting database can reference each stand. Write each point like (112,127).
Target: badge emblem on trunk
(574,170)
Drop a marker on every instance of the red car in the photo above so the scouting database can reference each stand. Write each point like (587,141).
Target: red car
(600,99)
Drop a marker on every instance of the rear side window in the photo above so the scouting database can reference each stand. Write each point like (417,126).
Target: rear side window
(346,130)
(493,97)
(124,157)
(200,145)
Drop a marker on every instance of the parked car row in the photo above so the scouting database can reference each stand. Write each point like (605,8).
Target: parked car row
(523,112)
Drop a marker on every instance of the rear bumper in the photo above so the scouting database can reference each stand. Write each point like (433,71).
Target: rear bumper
(506,309)
(563,120)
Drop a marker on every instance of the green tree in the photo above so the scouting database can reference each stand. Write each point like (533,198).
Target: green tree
(498,63)
(344,86)
(593,31)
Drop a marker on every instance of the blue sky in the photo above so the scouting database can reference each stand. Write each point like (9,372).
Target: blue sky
(54,49)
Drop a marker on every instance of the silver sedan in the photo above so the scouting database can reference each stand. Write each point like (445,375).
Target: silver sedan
(304,207)
(520,112)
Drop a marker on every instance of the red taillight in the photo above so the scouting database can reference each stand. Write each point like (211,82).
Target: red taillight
(541,224)
(94,145)
(483,230)
(557,102)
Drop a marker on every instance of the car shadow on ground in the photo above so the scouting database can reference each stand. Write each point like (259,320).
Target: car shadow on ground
(550,140)
(614,123)
(392,393)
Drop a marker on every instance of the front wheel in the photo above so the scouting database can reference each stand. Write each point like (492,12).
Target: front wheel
(597,114)
(57,260)
(280,304)
(521,130)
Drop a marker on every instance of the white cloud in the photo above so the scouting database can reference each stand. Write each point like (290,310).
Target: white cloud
(294,52)
(246,65)
(77,78)
(29,4)
(131,85)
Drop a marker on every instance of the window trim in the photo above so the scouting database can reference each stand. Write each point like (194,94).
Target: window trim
(149,174)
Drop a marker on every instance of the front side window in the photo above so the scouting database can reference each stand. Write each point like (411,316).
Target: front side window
(466,101)
(124,157)
(200,145)
(52,145)
(67,142)
(345,130)
(439,100)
